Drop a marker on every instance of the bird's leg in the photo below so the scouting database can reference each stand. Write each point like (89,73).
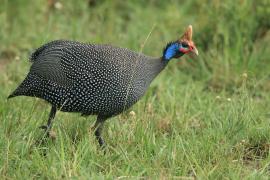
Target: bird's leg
(98,130)
(48,127)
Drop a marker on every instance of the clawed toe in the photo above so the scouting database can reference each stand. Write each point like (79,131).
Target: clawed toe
(48,131)
(45,127)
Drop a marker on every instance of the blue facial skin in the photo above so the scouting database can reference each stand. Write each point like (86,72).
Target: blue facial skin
(172,51)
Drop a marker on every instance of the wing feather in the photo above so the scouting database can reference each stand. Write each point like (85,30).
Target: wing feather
(51,62)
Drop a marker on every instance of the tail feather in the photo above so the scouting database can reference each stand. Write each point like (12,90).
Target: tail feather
(26,88)
(11,96)
(20,91)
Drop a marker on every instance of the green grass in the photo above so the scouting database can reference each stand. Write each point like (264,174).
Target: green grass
(201,118)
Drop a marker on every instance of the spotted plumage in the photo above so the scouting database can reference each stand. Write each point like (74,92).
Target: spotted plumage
(91,79)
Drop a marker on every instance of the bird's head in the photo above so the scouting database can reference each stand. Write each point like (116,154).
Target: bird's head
(182,46)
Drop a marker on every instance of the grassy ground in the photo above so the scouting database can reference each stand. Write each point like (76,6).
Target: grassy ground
(205,118)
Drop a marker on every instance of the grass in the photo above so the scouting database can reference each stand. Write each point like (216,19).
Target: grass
(206,118)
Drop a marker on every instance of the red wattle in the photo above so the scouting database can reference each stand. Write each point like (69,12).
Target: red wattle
(184,51)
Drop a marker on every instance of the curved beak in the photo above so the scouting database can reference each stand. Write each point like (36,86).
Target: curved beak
(194,51)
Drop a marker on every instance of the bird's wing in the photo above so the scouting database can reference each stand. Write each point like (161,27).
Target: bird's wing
(55,61)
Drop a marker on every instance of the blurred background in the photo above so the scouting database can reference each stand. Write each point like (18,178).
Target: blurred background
(232,36)
(221,98)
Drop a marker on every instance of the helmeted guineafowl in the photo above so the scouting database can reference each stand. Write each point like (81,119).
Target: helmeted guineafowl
(93,79)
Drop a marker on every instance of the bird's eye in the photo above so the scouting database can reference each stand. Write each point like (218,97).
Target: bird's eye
(185,45)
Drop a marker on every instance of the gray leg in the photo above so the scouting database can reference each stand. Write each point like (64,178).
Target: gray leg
(48,127)
(98,130)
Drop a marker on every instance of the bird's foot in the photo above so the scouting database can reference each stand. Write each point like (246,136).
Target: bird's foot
(48,131)
(100,140)
(45,127)
(101,143)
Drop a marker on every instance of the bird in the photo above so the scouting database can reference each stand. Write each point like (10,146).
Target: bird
(95,79)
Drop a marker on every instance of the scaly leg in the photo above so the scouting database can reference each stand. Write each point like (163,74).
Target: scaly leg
(98,130)
(48,127)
